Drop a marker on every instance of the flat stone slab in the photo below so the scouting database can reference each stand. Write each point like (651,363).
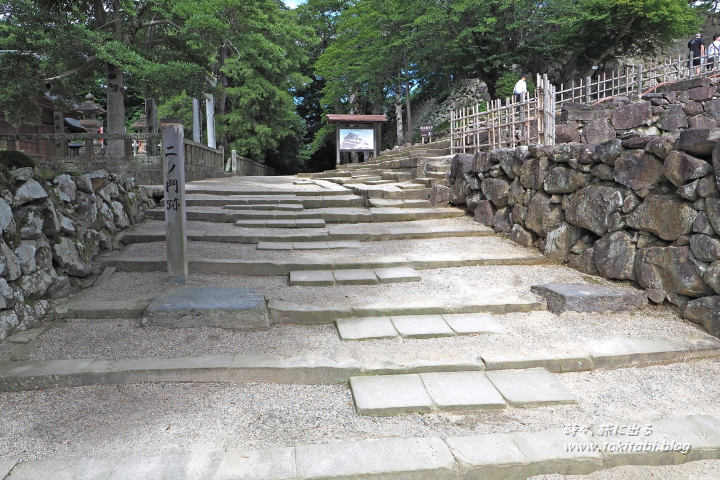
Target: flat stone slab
(87,468)
(275,246)
(390,395)
(6,466)
(103,309)
(617,352)
(422,326)
(313,278)
(581,297)
(225,307)
(392,458)
(462,391)
(397,275)
(355,276)
(469,323)
(547,452)
(530,388)
(365,328)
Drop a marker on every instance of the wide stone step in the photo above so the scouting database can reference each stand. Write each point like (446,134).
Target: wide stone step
(417,326)
(221,201)
(514,455)
(378,182)
(276,268)
(334,233)
(330,245)
(399,203)
(437,175)
(275,215)
(451,391)
(286,207)
(438,167)
(397,176)
(366,276)
(282,223)
(248,194)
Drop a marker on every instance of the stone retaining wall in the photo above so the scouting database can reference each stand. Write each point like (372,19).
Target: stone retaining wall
(51,230)
(645,209)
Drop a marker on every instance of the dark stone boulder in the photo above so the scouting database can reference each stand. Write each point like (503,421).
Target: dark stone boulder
(664,216)
(592,208)
(631,116)
(501,221)
(669,269)
(507,160)
(706,312)
(702,121)
(662,145)
(698,141)
(496,190)
(638,169)
(521,236)
(484,213)
(614,256)
(440,196)
(581,297)
(705,248)
(543,216)
(598,131)
(567,133)
(636,142)
(559,241)
(680,168)
(533,171)
(712,107)
(608,152)
(565,180)
(673,121)
(461,163)
(482,162)
(702,94)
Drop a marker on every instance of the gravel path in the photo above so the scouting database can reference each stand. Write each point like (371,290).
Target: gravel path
(156,418)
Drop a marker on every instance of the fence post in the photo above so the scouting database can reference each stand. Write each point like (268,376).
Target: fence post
(233,165)
(174,183)
(588,90)
(640,78)
(452,132)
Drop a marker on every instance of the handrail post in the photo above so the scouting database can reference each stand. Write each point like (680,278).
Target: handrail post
(588,90)
(640,78)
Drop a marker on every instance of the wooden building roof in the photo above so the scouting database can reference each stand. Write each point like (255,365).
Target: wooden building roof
(343,118)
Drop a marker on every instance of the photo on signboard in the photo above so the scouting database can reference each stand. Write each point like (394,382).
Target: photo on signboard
(357,139)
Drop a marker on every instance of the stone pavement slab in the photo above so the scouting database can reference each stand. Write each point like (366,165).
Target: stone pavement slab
(275,245)
(312,278)
(397,275)
(394,458)
(422,326)
(389,395)
(344,244)
(552,362)
(547,452)
(176,466)
(530,388)
(462,391)
(363,328)
(492,456)
(581,297)
(17,376)
(467,323)
(103,309)
(270,463)
(355,276)
(630,351)
(309,223)
(86,468)
(6,466)
(310,245)
(235,308)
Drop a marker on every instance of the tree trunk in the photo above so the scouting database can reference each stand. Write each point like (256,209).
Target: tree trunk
(116,109)
(399,114)
(222,101)
(407,99)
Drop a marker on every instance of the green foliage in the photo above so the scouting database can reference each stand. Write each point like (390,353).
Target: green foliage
(506,84)
(12,159)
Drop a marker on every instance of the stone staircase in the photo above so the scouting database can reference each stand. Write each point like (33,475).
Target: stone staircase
(387,339)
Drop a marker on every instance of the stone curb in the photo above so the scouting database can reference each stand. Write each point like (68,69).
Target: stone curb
(511,456)
(398,233)
(279,268)
(20,376)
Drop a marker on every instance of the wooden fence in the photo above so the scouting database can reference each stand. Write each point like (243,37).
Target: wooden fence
(498,124)
(72,152)
(508,124)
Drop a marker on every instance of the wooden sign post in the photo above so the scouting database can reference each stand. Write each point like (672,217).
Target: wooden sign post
(174,184)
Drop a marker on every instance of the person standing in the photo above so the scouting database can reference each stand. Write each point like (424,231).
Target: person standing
(520,89)
(697,50)
(713,52)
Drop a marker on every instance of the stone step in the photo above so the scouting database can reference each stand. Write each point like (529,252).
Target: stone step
(397,176)
(287,207)
(427,181)
(411,186)
(265,202)
(366,276)
(399,203)
(367,172)
(248,194)
(333,233)
(275,214)
(221,201)
(278,223)
(331,245)
(386,395)
(437,175)
(416,192)
(222,266)
(378,182)
(511,455)
(417,326)
(438,167)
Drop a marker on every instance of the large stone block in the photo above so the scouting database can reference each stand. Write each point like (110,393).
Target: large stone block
(698,141)
(705,248)
(484,213)
(663,215)
(631,116)
(225,307)
(661,146)
(670,270)
(565,180)
(598,131)
(567,133)
(543,216)
(638,169)
(496,190)
(593,207)
(706,312)
(702,94)
(461,163)
(673,121)
(608,152)
(614,256)
(680,168)
(580,297)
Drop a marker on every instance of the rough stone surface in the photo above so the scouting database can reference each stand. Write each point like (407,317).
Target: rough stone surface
(664,216)
(631,116)
(592,208)
(598,131)
(189,307)
(637,169)
(542,216)
(614,256)
(669,269)
(680,168)
(580,297)
(706,312)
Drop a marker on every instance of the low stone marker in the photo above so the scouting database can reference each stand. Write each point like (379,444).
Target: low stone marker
(581,297)
(225,307)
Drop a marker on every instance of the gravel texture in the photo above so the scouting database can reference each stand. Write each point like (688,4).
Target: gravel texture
(155,418)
